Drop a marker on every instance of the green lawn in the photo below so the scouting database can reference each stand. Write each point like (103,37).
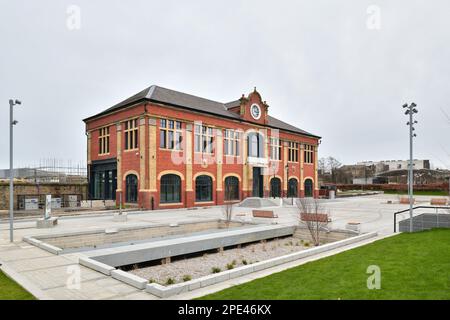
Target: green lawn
(420,193)
(413,266)
(10,290)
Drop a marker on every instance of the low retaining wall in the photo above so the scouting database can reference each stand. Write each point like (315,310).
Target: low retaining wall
(325,236)
(426,221)
(102,237)
(143,252)
(164,292)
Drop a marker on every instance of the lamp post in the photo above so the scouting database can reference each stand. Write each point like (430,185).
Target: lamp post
(410,111)
(12,123)
(287,176)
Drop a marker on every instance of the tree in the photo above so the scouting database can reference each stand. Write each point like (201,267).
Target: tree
(312,215)
(228,206)
(333,164)
(322,165)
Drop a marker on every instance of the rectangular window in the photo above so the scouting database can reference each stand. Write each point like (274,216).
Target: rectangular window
(231,142)
(131,134)
(170,136)
(293,152)
(103,141)
(203,139)
(275,149)
(309,153)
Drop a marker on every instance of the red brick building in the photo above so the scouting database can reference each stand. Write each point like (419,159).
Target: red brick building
(166,149)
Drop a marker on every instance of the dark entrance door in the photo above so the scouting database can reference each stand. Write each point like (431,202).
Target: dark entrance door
(308,188)
(103,180)
(275,187)
(131,183)
(258,183)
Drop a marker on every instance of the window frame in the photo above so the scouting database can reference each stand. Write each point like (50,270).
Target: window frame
(236,192)
(308,152)
(275,143)
(201,187)
(131,135)
(232,143)
(203,139)
(293,148)
(103,140)
(173,128)
(174,188)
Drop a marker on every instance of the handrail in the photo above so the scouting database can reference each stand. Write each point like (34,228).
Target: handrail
(418,207)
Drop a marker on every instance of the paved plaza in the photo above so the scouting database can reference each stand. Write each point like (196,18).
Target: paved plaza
(48,276)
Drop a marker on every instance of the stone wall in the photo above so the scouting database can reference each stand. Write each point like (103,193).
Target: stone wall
(96,238)
(325,237)
(22,188)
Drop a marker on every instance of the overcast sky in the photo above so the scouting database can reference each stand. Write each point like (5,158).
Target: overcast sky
(338,69)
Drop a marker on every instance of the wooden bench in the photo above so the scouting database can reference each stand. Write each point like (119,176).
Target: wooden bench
(319,217)
(406,200)
(438,202)
(264,214)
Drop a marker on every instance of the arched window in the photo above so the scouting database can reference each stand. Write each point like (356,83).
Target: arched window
(231,188)
(203,188)
(170,189)
(292,188)
(308,188)
(255,145)
(131,188)
(275,187)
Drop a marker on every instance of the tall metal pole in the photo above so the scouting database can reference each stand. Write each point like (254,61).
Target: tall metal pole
(12,122)
(410,110)
(411,178)
(11,173)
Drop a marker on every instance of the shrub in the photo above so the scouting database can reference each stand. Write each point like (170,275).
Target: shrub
(151,280)
(215,270)
(234,262)
(187,278)
(244,262)
(230,266)
(170,281)
(306,244)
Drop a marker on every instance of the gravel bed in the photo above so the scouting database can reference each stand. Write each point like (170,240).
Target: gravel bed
(197,267)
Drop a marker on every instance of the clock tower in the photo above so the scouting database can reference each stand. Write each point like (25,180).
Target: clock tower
(253,108)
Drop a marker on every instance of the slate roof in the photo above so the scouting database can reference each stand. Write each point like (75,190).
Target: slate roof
(186,101)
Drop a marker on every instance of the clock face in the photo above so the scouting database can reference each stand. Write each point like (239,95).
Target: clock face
(255,111)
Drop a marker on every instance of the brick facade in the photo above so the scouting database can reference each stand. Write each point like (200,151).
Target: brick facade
(150,163)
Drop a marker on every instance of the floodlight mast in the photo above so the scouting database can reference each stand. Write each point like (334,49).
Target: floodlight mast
(410,111)
(12,123)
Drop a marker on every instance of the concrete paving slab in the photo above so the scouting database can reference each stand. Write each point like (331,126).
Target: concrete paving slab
(39,263)
(22,254)
(59,277)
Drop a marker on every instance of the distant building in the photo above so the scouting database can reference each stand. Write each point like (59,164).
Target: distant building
(398,164)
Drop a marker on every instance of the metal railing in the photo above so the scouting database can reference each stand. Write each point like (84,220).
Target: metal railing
(418,207)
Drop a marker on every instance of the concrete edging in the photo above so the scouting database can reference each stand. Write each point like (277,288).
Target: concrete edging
(95,265)
(129,278)
(44,246)
(164,292)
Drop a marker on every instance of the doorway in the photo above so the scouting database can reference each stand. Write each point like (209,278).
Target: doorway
(258,183)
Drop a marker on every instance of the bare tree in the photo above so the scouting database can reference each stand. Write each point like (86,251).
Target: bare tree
(228,206)
(332,164)
(312,215)
(322,165)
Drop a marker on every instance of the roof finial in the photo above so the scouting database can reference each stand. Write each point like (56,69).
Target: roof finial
(254,89)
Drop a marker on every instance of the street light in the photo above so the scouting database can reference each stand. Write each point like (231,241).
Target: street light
(410,111)
(12,123)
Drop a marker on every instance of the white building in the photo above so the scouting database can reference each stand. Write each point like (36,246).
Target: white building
(398,164)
